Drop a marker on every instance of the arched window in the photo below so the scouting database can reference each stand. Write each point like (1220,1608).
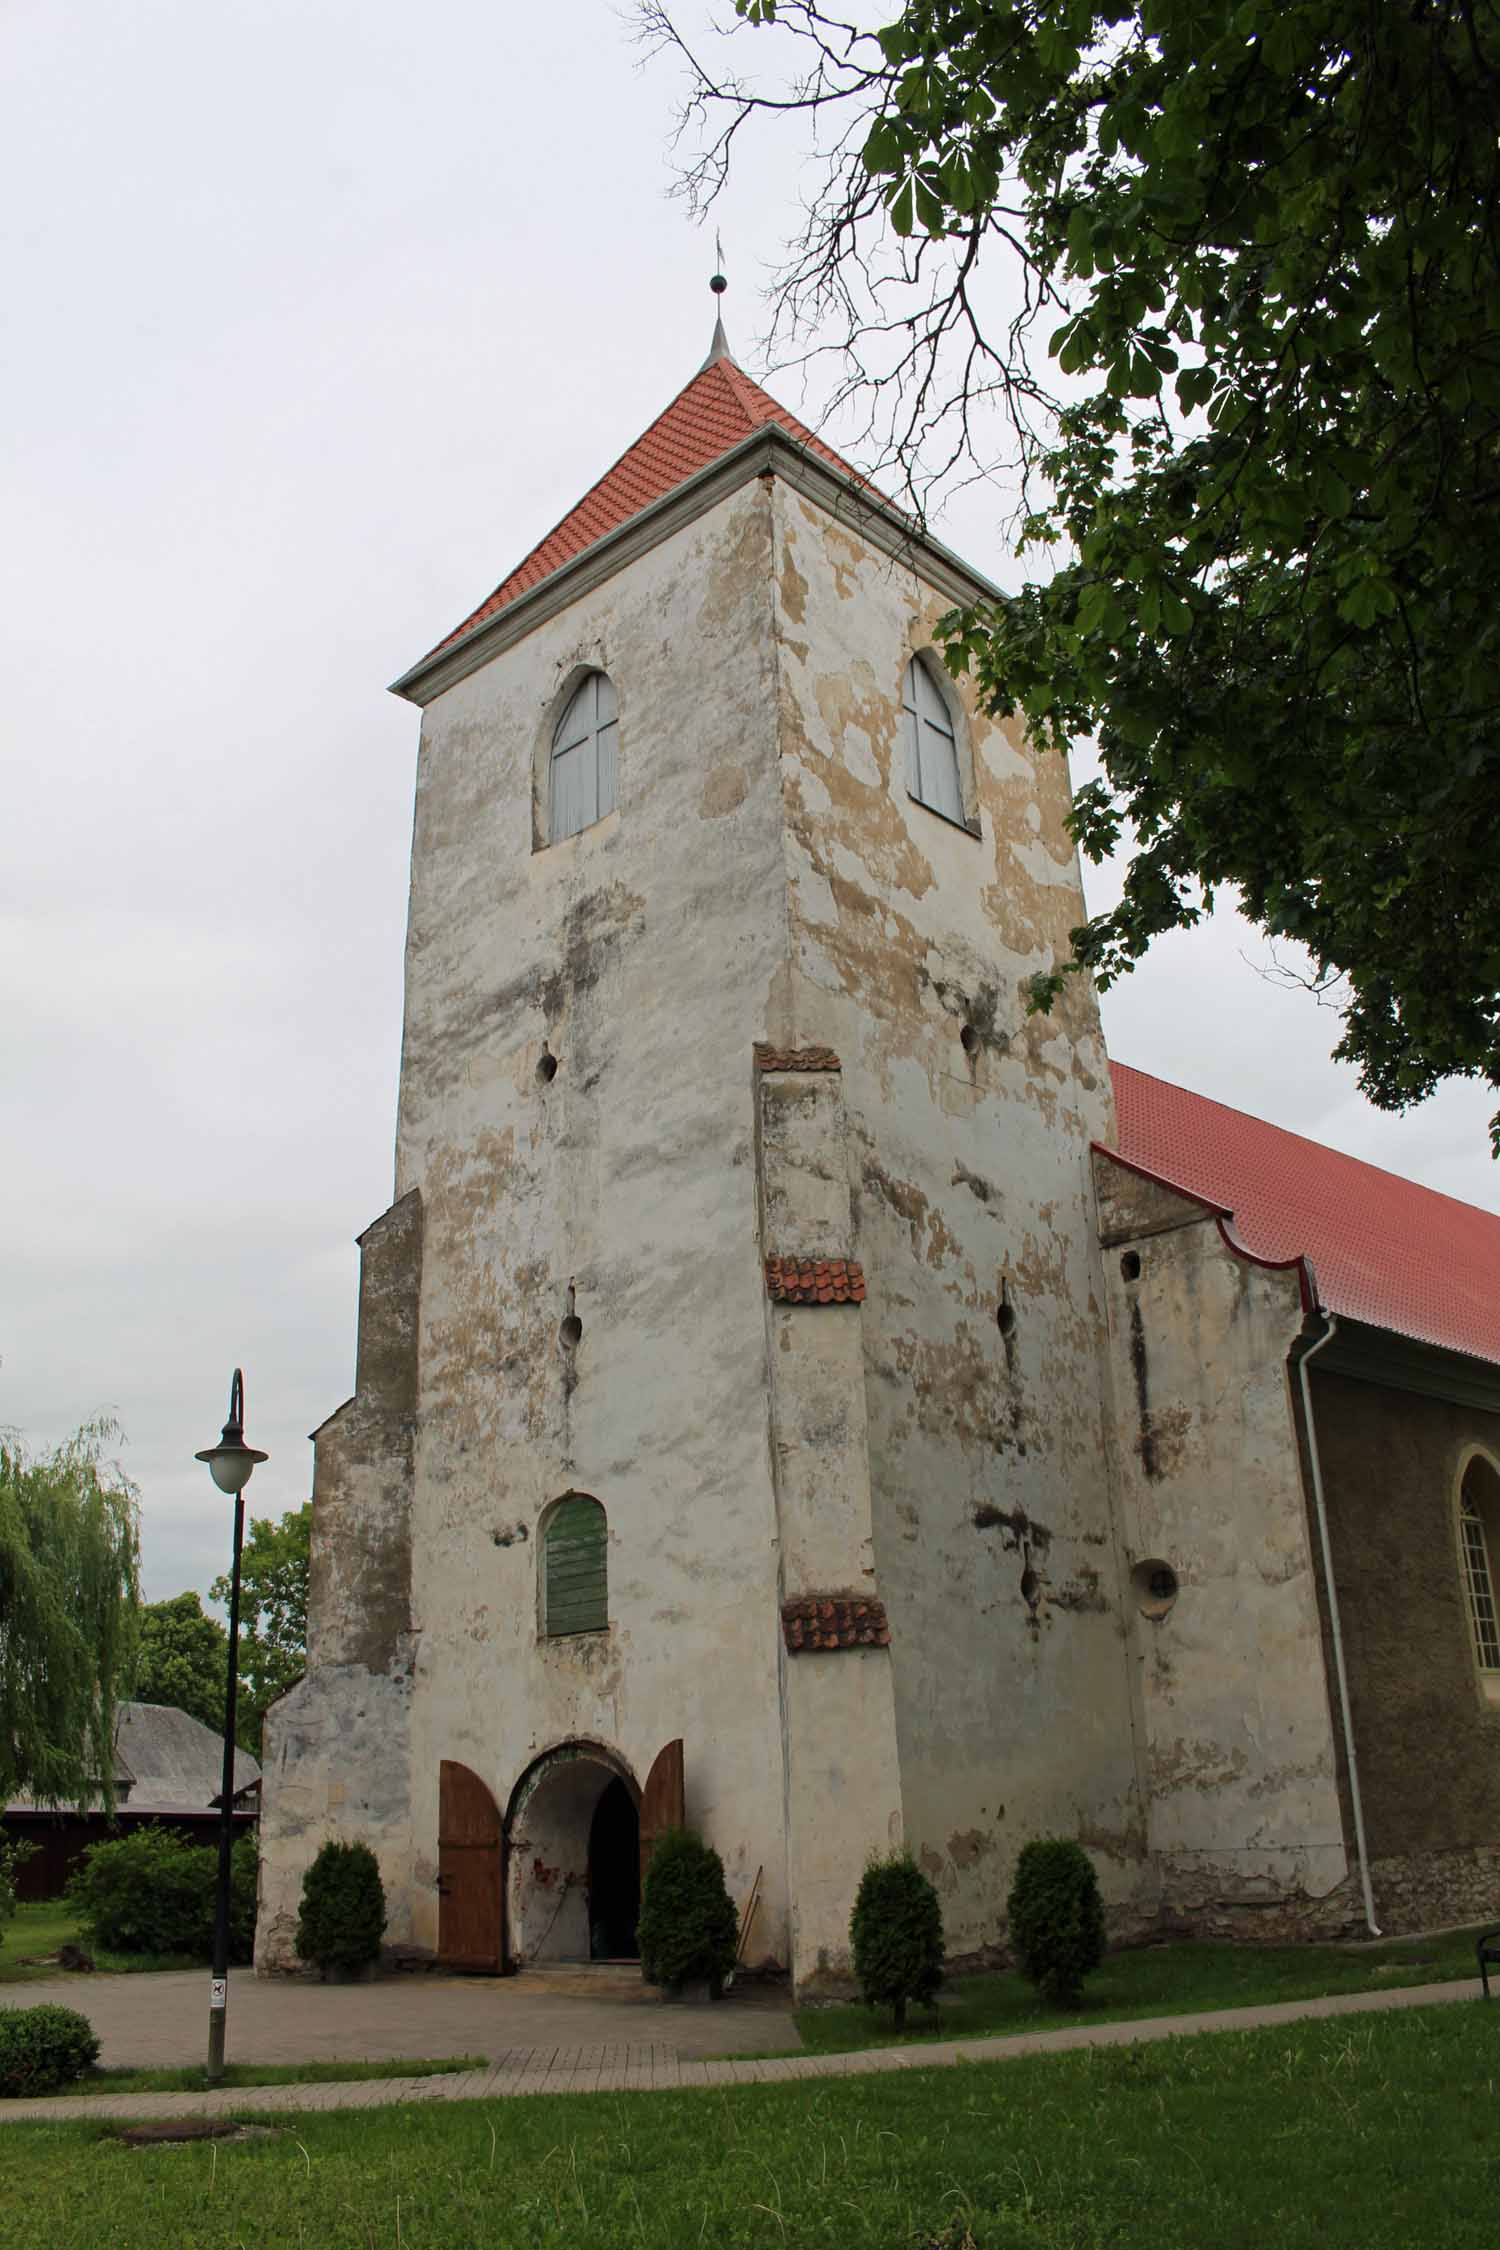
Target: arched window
(1478,1525)
(584,758)
(575,1577)
(932,751)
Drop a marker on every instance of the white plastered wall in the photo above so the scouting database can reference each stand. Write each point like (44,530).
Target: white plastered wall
(1244,1805)
(969,1171)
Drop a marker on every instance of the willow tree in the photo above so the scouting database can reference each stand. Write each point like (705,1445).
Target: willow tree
(1246,355)
(69,1598)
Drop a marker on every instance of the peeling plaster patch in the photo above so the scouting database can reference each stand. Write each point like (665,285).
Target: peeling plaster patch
(1081,1593)
(931,1238)
(793,584)
(724,788)
(860,757)
(963,1177)
(967,1848)
(815,901)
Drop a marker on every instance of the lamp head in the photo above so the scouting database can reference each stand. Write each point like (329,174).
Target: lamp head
(231,1462)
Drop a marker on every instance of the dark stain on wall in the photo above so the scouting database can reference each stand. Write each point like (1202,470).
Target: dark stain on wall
(1016,1523)
(1146,1442)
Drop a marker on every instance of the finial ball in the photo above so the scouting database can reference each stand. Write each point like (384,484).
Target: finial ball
(718,284)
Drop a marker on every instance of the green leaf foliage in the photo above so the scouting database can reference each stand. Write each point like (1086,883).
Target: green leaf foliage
(1272,460)
(689,1930)
(69,1592)
(183,1659)
(1056,1918)
(153,1891)
(342,1918)
(13,1857)
(273,1615)
(42,2049)
(896,1936)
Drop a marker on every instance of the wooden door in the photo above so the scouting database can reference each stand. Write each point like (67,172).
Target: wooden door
(661,1800)
(471,1873)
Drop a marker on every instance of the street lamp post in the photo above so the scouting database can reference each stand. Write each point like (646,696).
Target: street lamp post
(230,1464)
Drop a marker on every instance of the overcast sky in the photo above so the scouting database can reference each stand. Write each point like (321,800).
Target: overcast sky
(320,315)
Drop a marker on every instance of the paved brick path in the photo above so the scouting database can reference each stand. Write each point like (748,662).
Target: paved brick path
(650,2066)
(159,2020)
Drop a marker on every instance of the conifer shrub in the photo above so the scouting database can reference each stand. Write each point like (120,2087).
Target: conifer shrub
(42,2049)
(153,1892)
(896,1933)
(343,1909)
(1056,1918)
(688,1931)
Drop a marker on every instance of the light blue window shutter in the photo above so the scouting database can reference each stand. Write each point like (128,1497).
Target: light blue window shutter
(910,731)
(936,747)
(575,1592)
(608,785)
(584,758)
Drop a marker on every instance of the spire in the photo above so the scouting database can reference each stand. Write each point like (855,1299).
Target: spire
(719,348)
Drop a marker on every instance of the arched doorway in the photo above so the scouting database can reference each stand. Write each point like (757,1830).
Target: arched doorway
(614,1875)
(574,1857)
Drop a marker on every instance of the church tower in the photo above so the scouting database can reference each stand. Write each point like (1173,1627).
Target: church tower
(730,1369)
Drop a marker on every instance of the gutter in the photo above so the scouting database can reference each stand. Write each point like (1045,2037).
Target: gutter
(1361,1847)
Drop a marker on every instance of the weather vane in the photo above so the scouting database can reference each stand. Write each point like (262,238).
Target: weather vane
(717,283)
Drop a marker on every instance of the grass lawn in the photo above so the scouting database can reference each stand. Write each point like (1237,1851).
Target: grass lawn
(1158,1980)
(1371,2133)
(193,2081)
(41,1928)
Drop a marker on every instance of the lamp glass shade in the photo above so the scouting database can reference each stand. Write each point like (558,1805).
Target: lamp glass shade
(230,1465)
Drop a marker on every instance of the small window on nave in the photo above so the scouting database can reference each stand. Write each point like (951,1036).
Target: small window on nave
(1479,1546)
(934,774)
(575,1569)
(583,781)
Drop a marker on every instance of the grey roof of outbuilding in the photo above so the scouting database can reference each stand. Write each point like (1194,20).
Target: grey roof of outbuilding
(176,1764)
(167,1762)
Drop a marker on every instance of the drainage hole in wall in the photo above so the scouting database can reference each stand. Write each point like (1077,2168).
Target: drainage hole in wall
(1005,1318)
(546,1069)
(1154,1584)
(571,1332)
(1130,1265)
(1031,1586)
(968,1039)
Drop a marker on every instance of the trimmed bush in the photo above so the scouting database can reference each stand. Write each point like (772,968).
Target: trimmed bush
(689,1931)
(153,1892)
(42,2049)
(343,1909)
(1056,1918)
(896,1932)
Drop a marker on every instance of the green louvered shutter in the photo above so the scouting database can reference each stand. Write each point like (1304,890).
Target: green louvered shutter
(577,1590)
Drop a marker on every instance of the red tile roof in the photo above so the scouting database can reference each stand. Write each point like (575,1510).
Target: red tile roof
(795,1058)
(718,408)
(815,1622)
(1382,1249)
(816,1281)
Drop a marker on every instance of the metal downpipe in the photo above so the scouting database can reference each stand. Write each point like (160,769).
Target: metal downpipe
(1356,1803)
